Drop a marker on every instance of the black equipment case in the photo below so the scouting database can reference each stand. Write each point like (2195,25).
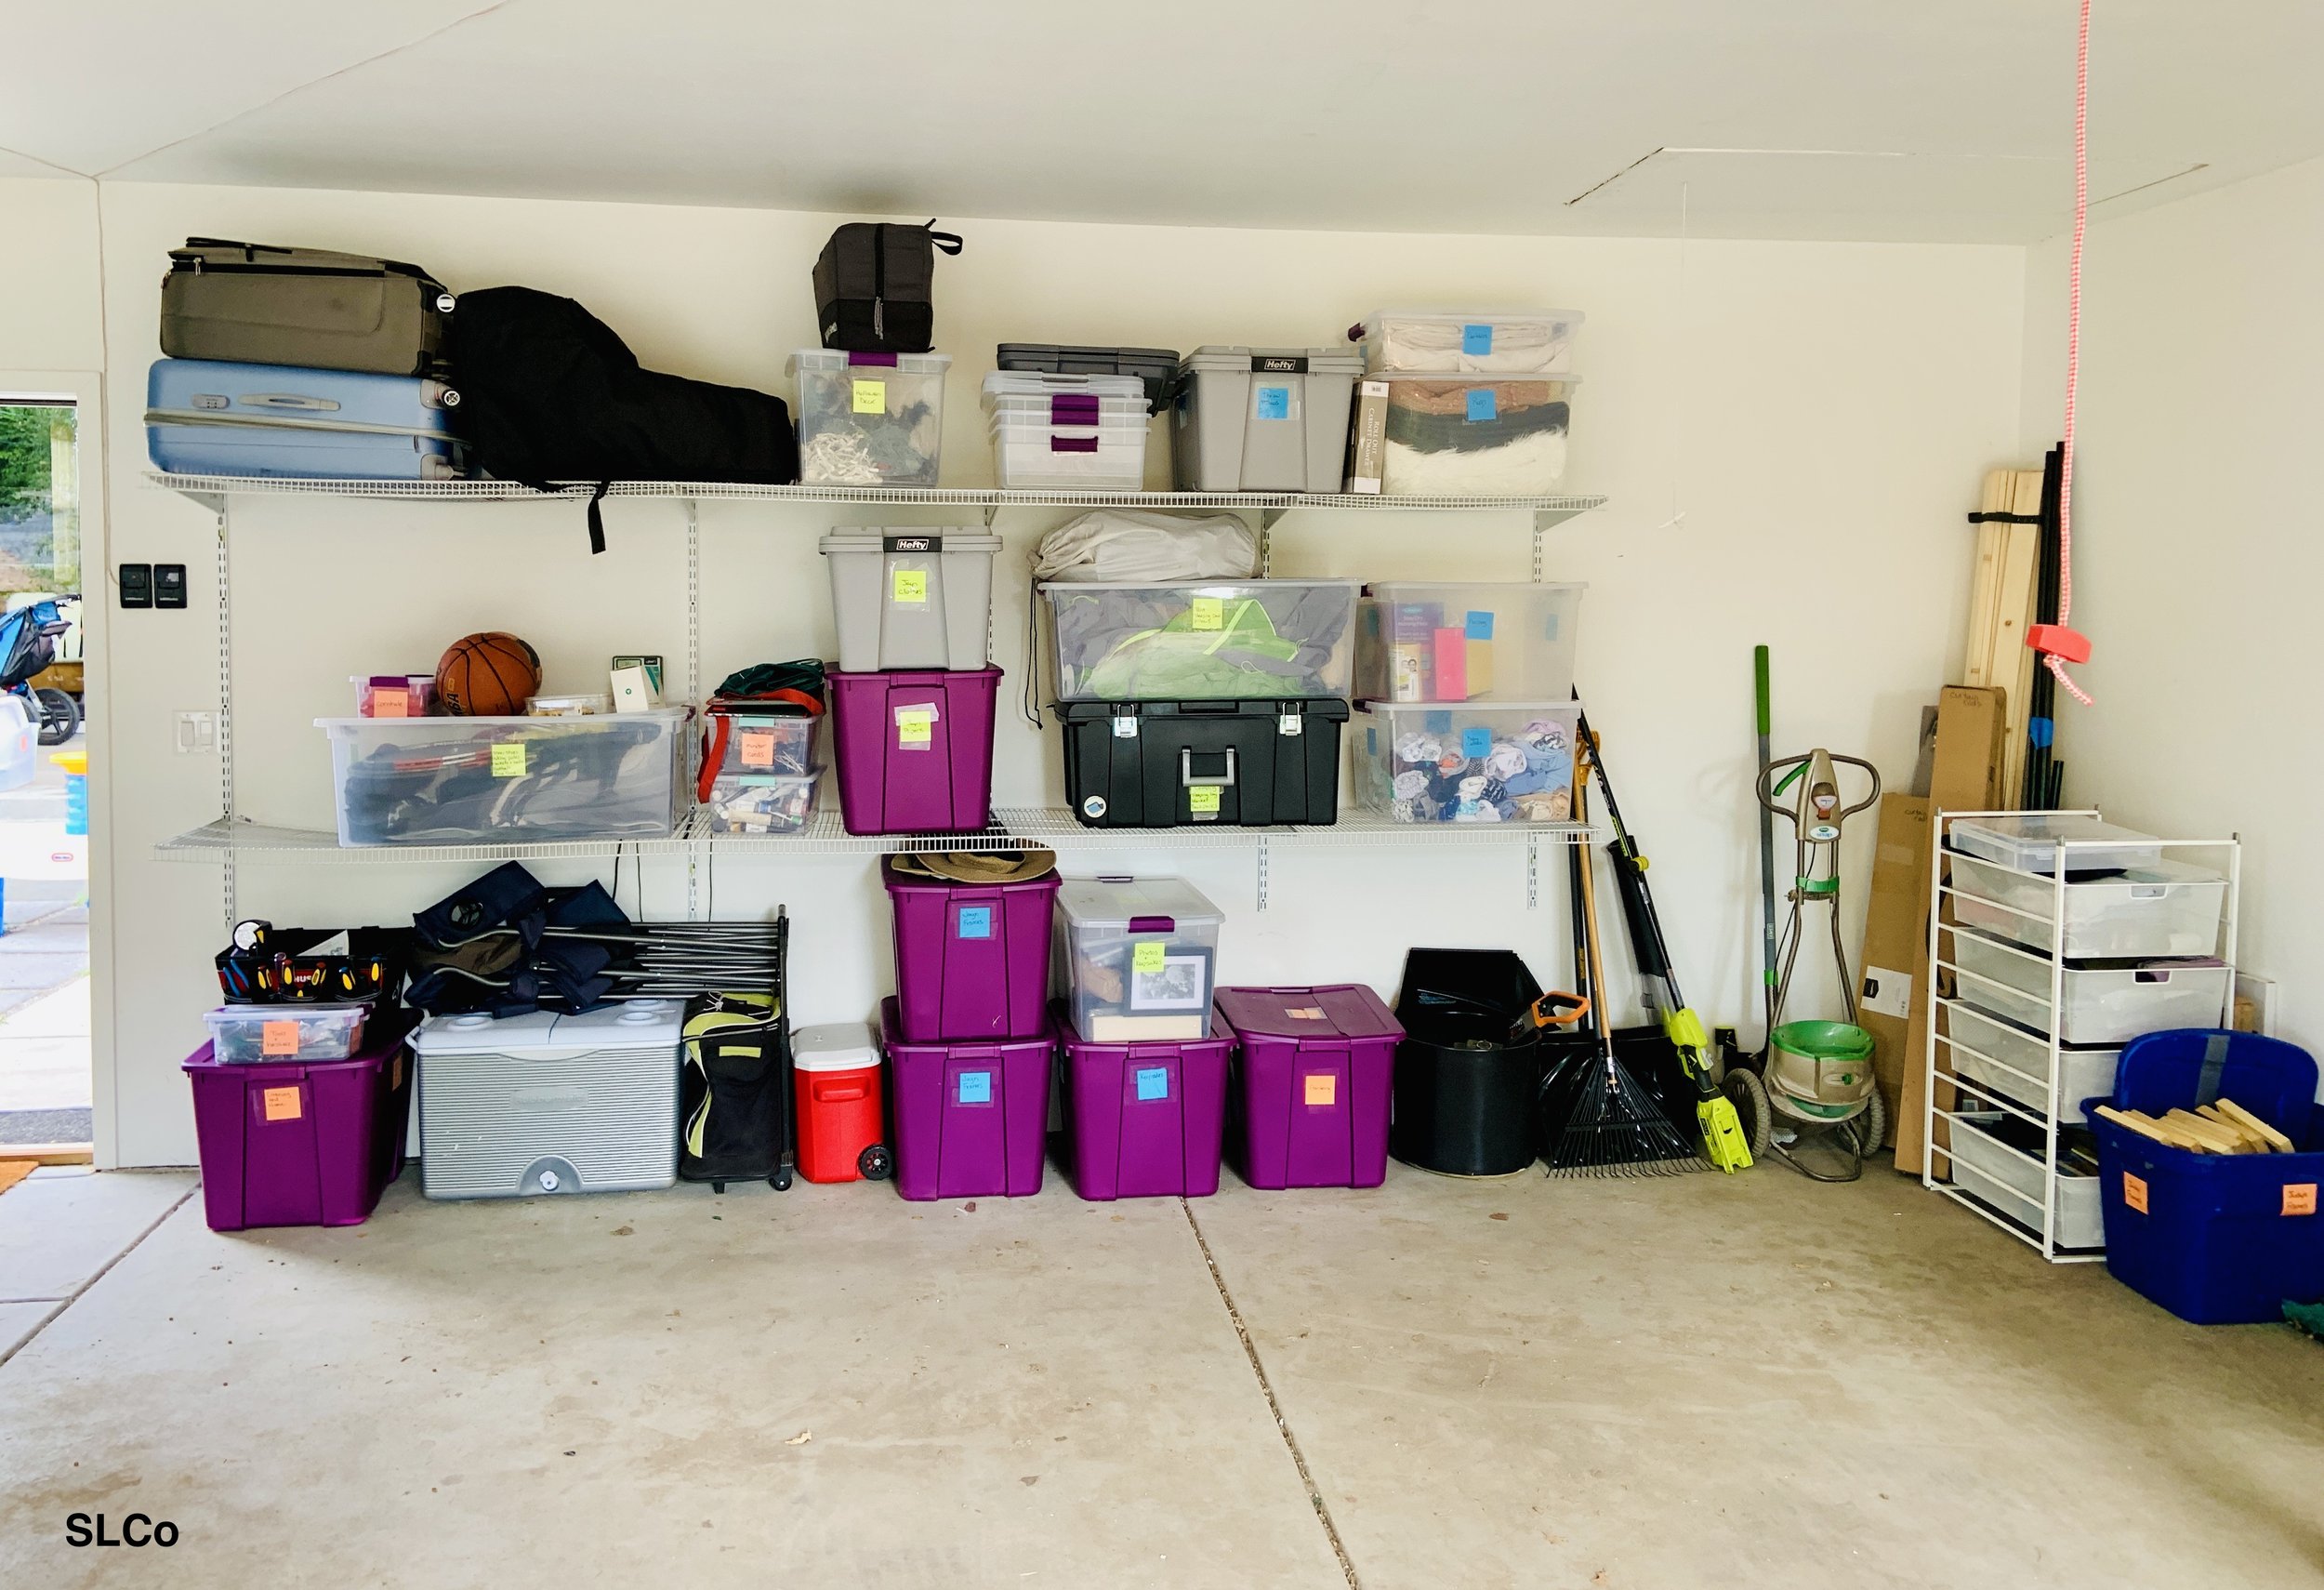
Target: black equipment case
(874,286)
(1165,764)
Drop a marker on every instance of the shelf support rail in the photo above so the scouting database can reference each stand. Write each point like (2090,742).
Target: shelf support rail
(693,684)
(228,904)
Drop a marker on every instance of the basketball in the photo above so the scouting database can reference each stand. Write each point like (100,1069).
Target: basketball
(487,676)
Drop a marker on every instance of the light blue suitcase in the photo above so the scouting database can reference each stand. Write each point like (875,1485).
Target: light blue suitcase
(204,416)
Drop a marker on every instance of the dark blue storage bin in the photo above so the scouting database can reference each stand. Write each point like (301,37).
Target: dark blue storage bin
(2217,1240)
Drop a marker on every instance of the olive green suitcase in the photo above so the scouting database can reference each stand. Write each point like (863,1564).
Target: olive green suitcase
(253,303)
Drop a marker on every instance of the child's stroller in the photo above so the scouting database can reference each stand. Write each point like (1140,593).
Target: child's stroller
(28,645)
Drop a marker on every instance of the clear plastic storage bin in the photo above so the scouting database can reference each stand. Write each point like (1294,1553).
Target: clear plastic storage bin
(1418,641)
(2030,843)
(2164,909)
(507,780)
(2008,1055)
(577,706)
(1228,640)
(240,1034)
(869,419)
(759,772)
(1467,435)
(1505,763)
(1998,1157)
(1140,958)
(1501,342)
(2104,1002)
(1039,456)
(761,805)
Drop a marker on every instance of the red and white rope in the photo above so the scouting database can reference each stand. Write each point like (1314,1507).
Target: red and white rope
(2073,348)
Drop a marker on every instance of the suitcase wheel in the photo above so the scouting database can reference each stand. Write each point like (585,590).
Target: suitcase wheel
(781,1180)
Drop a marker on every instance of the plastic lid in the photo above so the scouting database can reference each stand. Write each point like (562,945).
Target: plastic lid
(1480,377)
(952,540)
(869,364)
(1568,318)
(1371,586)
(1216,356)
(835,1046)
(1348,1009)
(608,723)
(231,1014)
(1040,383)
(1468,707)
(1227,588)
(1119,901)
(633,1023)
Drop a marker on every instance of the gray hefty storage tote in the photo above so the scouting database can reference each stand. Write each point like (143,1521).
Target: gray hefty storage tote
(1263,419)
(911,599)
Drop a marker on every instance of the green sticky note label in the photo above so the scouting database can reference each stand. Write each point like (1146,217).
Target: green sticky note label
(911,585)
(1202,800)
(1208,613)
(508,761)
(1147,957)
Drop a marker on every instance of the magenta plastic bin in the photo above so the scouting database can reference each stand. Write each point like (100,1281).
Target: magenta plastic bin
(1147,1120)
(970,1119)
(303,1142)
(1312,1090)
(971,958)
(915,749)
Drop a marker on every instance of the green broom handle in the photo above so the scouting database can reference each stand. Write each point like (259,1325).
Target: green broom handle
(1766,835)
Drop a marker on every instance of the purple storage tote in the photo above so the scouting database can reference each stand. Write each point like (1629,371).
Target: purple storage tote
(1312,1103)
(971,958)
(915,749)
(1146,1118)
(310,1143)
(971,1120)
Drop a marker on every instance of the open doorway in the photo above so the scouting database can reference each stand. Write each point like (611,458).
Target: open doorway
(45,1087)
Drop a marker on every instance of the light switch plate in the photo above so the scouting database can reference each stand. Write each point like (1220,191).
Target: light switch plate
(197,732)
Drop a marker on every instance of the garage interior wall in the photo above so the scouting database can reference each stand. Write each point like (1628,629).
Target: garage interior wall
(2197,579)
(1789,434)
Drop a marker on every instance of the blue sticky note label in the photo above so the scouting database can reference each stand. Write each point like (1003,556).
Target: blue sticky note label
(1476,339)
(1371,741)
(1436,722)
(1480,625)
(1475,743)
(976,1087)
(1482,403)
(1153,1083)
(976,922)
(1274,402)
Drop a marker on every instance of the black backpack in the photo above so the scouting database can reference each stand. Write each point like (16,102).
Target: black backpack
(875,284)
(549,394)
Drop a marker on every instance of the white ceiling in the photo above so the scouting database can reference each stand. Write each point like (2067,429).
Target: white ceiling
(1945,120)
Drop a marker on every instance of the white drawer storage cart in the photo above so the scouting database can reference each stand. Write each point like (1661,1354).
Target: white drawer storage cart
(2055,938)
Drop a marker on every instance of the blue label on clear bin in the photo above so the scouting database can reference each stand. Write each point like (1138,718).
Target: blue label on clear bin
(1476,339)
(976,1087)
(1483,405)
(1436,722)
(1480,625)
(1274,402)
(1476,743)
(1371,741)
(976,922)
(1153,1083)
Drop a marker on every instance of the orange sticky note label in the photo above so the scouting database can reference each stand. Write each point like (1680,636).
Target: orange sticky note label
(390,703)
(1323,1088)
(2134,1191)
(280,1104)
(1305,1012)
(395,1071)
(758,747)
(279,1038)
(2300,1198)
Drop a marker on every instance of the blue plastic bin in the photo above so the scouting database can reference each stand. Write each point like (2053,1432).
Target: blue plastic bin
(2217,1240)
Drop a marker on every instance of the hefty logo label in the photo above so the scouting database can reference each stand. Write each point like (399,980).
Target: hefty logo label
(1278,364)
(912,543)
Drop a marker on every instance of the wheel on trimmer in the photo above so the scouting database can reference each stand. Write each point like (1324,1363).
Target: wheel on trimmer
(874,1164)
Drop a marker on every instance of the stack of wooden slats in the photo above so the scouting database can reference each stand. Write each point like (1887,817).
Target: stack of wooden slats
(2221,1128)
(2001,606)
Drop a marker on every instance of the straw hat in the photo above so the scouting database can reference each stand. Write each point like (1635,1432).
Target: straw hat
(975,866)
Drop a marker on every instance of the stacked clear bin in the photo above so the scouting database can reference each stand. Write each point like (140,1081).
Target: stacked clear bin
(1479,403)
(2060,938)
(1067,432)
(759,772)
(1469,714)
(869,419)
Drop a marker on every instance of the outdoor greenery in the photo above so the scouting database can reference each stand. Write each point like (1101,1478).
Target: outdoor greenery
(25,449)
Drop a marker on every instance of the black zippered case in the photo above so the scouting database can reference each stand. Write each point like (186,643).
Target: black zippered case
(254,303)
(875,284)
(1167,765)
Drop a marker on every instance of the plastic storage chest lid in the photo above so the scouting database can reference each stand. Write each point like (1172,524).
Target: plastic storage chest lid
(835,1046)
(2030,843)
(1568,318)
(838,358)
(1374,587)
(1228,587)
(633,1023)
(1346,1011)
(1123,901)
(937,539)
(1317,361)
(1043,383)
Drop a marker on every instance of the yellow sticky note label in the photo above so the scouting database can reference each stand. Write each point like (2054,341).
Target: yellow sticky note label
(508,761)
(280,1104)
(869,397)
(1202,800)
(915,728)
(911,585)
(1147,957)
(2300,1198)
(1208,613)
(2134,1191)
(758,747)
(278,1038)
(1322,1088)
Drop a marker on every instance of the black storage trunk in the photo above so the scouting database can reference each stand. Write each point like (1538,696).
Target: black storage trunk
(1467,1095)
(875,286)
(1158,367)
(1167,765)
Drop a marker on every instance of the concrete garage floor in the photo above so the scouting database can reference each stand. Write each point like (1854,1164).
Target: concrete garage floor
(1651,1384)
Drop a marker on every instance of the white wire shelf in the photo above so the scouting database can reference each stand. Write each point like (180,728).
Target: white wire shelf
(1548,509)
(1051,828)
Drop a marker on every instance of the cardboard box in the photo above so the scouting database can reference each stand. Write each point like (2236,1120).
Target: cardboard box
(1368,439)
(1895,951)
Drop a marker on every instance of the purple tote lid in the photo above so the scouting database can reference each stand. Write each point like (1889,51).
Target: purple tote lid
(1344,1011)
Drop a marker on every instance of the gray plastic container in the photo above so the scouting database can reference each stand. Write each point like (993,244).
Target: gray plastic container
(1263,419)
(911,599)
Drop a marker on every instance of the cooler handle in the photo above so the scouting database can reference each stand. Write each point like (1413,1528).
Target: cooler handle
(836,1093)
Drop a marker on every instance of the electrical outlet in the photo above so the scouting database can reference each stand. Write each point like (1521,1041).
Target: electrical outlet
(197,732)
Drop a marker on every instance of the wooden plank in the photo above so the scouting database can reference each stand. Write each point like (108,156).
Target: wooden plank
(1984,577)
(2013,663)
(2275,1139)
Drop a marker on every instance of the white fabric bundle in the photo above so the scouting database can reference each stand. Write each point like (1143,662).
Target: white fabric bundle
(1434,345)
(1114,546)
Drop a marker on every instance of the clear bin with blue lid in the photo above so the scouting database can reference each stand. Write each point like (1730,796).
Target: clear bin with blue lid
(1521,342)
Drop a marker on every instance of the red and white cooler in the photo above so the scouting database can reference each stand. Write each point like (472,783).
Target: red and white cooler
(836,1083)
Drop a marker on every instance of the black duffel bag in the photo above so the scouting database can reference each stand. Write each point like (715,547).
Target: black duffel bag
(549,395)
(875,286)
